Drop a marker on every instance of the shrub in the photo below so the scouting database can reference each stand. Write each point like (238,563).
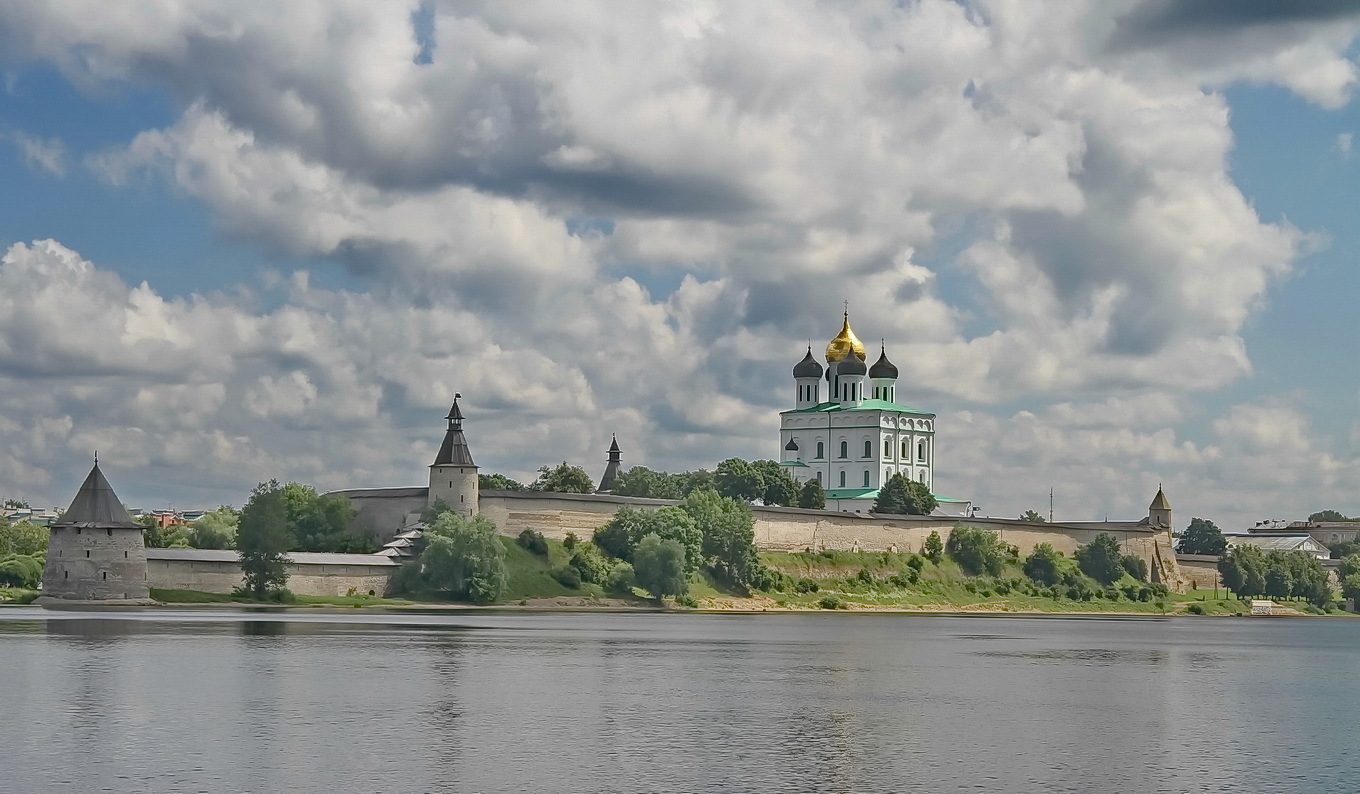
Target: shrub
(916,562)
(534,541)
(568,576)
(934,547)
(687,600)
(831,602)
(1136,566)
(905,579)
(1195,608)
(806,585)
(659,565)
(1100,559)
(769,580)
(464,559)
(1044,564)
(864,576)
(591,564)
(977,551)
(620,579)
(570,541)
(21,570)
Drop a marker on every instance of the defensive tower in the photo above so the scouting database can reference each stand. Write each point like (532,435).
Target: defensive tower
(453,475)
(96,551)
(611,469)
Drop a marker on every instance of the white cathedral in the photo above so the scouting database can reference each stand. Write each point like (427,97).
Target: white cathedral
(857,436)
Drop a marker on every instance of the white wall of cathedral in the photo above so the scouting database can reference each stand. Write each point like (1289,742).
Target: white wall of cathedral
(809,392)
(859,449)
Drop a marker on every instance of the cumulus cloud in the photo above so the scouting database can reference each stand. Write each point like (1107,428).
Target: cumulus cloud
(40,154)
(606,216)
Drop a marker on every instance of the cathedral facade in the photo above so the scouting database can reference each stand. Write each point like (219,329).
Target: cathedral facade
(847,430)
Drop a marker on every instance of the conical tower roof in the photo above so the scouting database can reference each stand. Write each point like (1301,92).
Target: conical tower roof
(454,451)
(883,368)
(1159,501)
(97,505)
(611,469)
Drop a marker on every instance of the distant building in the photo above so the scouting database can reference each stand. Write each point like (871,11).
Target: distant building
(1278,541)
(1324,532)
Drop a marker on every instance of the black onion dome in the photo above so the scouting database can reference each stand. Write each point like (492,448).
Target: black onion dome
(883,368)
(852,364)
(808,367)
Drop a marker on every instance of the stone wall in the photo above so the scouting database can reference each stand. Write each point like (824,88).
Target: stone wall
(1200,571)
(212,571)
(87,563)
(382,512)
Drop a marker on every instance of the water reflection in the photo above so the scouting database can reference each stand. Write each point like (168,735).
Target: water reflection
(481,702)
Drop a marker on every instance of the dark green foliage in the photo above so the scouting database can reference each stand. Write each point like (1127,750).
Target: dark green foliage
(1202,536)
(806,585)
(916,562)
(1136,566)
(568,576)
(619,538)
(977,551)
(812,496)
(739,479)
(1243,569)
(902,496)
(569,542)
(621,579)
(1195,608)
(659,566)
(864,576)
(534,541)
(905,579)
(465,559)
(692,481)
(1044,564)
(642,481)
(687,600)
(831,602)
(1350,564)
(262,538)
(1344,548)
(591,563)
(1328,515)
(22,537)
(215,530)
(1100,559)
(1032,517)
(770,580)
(563,478)
(432,513)
(934,547)
(498,482)
(21,570)
(321,523)
(781,490)
(727,529)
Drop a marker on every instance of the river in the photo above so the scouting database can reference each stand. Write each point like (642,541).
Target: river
(366,701)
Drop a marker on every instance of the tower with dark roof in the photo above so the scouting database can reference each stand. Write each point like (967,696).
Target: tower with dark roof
(96,551)
(611,469)
(453,475)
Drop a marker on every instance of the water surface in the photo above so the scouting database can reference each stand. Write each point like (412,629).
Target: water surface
(229,700)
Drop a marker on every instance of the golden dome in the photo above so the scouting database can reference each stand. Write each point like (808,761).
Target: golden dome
(845,341)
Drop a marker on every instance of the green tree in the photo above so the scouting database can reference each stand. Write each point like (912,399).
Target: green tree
(1350,587)
(465,559)
(642,481)
(1033,517)
(498,482)
(1243,570)
(780,488)
(433,511)
(1100,559)
(1202,536)
(692,481)
(616,537)
(934,547)
(263,539)
(977,551)
(1327,515)
(215,530)
(23,538)
(923,502)
(812,497)
(1044,564)
(738,479)
(895,497)
(1136,566)
(21,570)
(659,566)
(728,531)
(1279,576)
(563,478)
(619,538)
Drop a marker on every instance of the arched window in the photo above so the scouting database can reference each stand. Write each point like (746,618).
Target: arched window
(845,449)
(842,479)
(821,450)
(887,447)
(905,452)
(819,476)
(921,451)
(866,478)
(868,448)
(887,475)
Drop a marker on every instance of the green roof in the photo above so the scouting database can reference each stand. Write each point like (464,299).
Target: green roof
(794,463)
(866,405)
(852,493)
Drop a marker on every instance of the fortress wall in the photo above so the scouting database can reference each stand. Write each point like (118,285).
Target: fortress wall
(1201,570)
(382,512)
(217,576)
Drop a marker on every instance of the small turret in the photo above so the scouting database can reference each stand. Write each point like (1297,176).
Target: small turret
(850,375)
(883,377)
(611,469)
(1159,512)
(453,475)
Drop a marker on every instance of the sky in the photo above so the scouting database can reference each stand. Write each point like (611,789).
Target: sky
(1111,244)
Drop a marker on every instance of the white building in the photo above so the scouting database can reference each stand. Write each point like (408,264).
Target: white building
(1278,542)
(855,436)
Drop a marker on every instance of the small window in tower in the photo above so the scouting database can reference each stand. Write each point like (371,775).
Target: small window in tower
(125,555)
(462,498)
(921,451)
(845,449)
(66,574)
(87,552)
(106,574)
(868,449)
(821,450)
(842,479)
(77,530)
(110,531)
(866,478)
